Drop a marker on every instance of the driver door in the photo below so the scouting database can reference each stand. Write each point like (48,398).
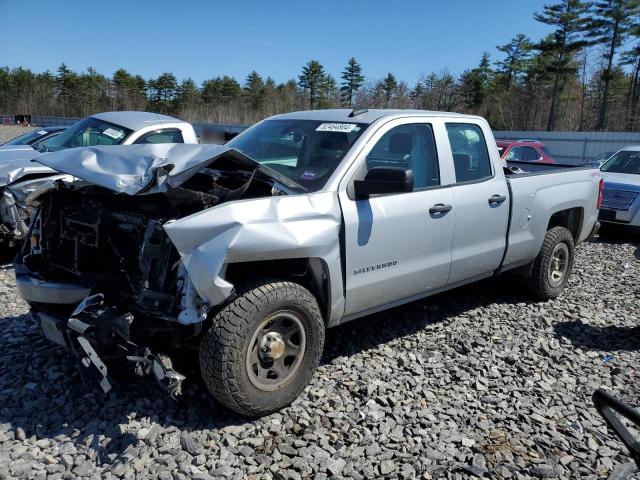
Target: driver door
(396,249)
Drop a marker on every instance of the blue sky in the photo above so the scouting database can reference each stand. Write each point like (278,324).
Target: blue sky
(204,39)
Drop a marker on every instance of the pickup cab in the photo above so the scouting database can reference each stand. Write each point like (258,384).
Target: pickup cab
(248,252)
(19,175)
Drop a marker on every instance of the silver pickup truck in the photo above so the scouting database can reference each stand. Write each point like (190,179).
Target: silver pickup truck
(246,253)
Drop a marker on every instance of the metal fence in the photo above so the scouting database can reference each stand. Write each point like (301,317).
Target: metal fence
(576,147)
(53,121)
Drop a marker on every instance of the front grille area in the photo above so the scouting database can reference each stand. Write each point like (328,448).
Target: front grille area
(614,199)
(123,254)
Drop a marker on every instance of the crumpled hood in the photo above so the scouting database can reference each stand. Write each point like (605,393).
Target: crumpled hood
(15,163)
(132,169)
(621,178)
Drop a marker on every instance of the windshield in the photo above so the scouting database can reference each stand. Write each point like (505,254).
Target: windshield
(26,138)
(307,152)
(625,161)
(86,133)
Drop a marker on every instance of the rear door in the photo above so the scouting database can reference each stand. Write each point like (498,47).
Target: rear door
(481,201)
(395,248)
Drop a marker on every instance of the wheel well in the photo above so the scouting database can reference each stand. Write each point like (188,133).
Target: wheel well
(311,273)
(570,218)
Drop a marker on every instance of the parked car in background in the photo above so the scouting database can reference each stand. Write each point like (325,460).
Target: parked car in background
(621,195)
(599,160)
(33,138)
(524,151)
(20,176)
(247,252)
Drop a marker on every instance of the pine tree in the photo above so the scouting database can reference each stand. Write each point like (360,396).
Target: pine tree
(569,18)
(67,87)
(352,81)
(611,23)
(389,85)
(313,79)
(474,83)
(187,95)
(254,88)
(220,90)
(517,53)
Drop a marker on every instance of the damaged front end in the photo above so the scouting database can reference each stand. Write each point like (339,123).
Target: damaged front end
(95,327)
(103,278)
(13,219)
(15,209)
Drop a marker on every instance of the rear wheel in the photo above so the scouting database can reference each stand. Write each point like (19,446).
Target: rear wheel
(263,348)
(552,267)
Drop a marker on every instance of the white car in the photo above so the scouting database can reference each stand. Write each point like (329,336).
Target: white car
(20,176)
(621,195)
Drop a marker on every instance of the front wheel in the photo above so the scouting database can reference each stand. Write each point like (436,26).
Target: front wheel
(263,348)
(552,267)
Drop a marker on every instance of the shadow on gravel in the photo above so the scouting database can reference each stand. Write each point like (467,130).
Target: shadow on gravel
(41,391)
(618,236)
(6,256)
(368,332)
(42,394)
(612,338)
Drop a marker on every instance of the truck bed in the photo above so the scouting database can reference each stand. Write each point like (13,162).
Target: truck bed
(535,168)
(539,192)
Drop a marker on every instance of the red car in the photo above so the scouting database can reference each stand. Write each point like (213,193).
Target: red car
(524,151)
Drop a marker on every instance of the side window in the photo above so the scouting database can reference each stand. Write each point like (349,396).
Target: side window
(470,154)
(170,135)
(514,155)
(530,154)
(411,147)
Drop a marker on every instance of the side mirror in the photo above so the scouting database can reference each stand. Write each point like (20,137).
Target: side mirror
(381,180)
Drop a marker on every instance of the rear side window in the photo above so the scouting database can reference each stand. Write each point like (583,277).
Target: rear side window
(170,135)
(411,147)
(470,154)
(530,154)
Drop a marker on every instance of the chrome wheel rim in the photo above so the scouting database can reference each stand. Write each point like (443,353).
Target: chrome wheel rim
(558,264)
(276,350)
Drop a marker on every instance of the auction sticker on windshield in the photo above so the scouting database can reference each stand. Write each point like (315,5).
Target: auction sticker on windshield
(336,127)
(113,133)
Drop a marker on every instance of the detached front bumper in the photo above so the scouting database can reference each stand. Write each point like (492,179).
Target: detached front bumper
(96,333)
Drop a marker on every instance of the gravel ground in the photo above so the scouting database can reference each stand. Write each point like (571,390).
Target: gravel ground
(7,132)
(476,382)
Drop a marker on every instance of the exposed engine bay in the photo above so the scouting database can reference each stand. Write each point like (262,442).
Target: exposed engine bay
(113,245)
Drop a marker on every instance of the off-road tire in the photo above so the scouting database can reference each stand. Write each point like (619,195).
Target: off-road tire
(223,348)
(539,282)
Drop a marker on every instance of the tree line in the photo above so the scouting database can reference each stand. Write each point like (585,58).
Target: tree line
(585,75)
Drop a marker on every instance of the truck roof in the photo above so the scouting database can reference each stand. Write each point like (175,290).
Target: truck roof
(135,120)
(366,116)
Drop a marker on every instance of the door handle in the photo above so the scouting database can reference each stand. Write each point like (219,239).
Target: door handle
(440,208)
(496,199)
